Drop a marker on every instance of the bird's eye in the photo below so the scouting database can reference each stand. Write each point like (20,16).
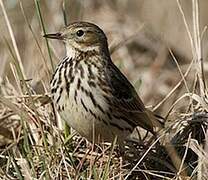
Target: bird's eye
(80,33)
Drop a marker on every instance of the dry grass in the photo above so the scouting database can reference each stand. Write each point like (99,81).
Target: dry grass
(34,142)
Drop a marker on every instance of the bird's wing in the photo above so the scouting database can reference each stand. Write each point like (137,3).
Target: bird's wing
(125,99)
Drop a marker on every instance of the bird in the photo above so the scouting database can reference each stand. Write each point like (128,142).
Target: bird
(90,93)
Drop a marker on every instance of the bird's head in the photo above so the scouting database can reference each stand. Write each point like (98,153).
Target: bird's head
(81,36)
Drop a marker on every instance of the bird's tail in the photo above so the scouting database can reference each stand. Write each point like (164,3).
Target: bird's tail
(158,122)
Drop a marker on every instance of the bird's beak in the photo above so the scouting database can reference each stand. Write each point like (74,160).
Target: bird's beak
(54,36)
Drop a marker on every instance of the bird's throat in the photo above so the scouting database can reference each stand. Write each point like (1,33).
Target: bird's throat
(70,51)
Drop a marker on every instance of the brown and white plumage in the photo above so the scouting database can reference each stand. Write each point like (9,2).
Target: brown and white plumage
(90,92)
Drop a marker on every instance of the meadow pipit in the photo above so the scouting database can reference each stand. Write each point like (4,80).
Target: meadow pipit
(89,91)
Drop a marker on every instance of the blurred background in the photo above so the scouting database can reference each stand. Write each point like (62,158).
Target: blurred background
(141,34)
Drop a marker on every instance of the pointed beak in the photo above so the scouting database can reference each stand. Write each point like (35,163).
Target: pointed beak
(58,36)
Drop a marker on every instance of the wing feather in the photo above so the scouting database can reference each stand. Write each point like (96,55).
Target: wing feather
(125,100)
